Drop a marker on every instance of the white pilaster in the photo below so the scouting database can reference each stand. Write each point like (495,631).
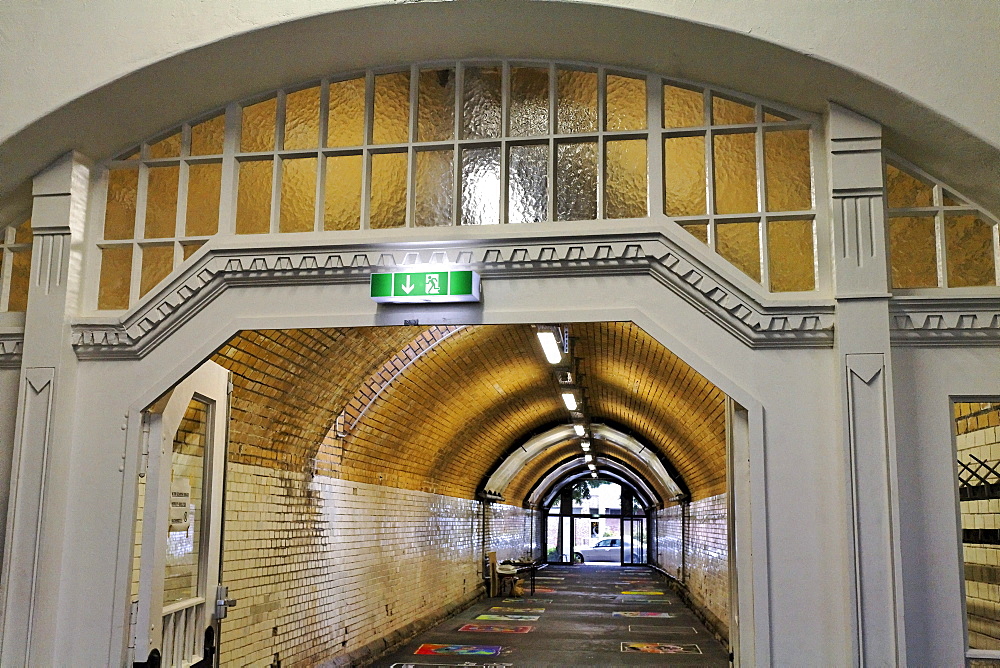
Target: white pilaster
(36,516)
(862,339)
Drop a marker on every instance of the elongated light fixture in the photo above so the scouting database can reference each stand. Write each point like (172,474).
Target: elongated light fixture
(593,474)
(585,445)
(578,428)
(592,467)
(570,400)
(550,346)
(588,458)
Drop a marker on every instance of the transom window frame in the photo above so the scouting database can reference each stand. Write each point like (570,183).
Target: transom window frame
(184,247)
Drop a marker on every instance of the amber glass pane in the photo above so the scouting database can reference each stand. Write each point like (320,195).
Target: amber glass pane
(20,274)
(576,102)
(948,199)
(116,277)
(253,204)
(161,202)
(342,209)
(625,181)
(626,103)
(481,186)
(302,119)
(346,124)
(204,186)
(298,195)
(436,105)
(576,181)
(698,230)
(740,244)
(22,233)
(435,196)
(168,147)
(481,103)
(913,252)
(157,261)
(969,244)
(905,191)
(774,117)
(682,108)
(392,108)
(528,196)
(119,217)
(189,248)
(529,101)
(258,126)
(787,169)
(727,112)
(684,176)
(735,173)
(387,207)
(791,255)
(207,138)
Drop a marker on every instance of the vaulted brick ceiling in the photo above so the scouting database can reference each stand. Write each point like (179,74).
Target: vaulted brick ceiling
(436,409)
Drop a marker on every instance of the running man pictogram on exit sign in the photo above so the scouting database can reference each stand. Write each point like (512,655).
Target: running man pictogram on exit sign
(422,287)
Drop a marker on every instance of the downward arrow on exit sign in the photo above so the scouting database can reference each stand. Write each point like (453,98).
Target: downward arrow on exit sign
(425,287)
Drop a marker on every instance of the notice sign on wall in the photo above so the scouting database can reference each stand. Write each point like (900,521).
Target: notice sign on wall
(180,504)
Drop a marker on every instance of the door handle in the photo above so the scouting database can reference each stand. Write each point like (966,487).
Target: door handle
(223,602)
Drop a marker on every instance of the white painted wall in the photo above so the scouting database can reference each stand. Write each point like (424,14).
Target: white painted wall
(8,412)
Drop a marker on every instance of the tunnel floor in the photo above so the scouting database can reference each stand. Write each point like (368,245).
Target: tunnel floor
(580,616)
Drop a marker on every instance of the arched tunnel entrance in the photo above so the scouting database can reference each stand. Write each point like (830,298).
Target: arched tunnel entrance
(370,471)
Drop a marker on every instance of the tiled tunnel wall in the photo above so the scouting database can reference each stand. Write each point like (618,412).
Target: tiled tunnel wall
(705,551)
(977,428)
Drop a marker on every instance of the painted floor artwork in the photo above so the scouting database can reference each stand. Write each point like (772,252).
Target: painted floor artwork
(508,618)
(526,600)
(545,590)
(517,611)
(664,630)
(643,593)
(463,650)
(495,628)
(636,613)
(660,648)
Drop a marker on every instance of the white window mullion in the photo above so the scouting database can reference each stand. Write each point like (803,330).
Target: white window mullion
(366,154)
(654,146)
(230,171)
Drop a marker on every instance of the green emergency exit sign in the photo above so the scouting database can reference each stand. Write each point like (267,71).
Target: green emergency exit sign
(416,287)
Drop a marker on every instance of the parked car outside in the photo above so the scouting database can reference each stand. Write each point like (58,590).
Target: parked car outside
(606,549)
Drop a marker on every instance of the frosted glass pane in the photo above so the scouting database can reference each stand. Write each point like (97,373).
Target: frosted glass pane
(787,170)
(481,186)
(481,103)
(727,112)
(436,105)
(576,102)
(435,196)
(168,147)
(161,202)
(626,103)
(625,180)
(790,255)
(342,210)
(204,188)
(529,101)
(157,262)
(302,119)
(906,191)
(253,204)
(740,244)
(189,248)
(20,275)
(116,277)
(258,126)
(119,216)
(346,123)
(969,244)
(387,207)
(22,233)
(913,252)
(683,108)
(576,181)
(298,195)
(735,173)
(684,176)
(392,108)
(187,465)
(528,199)
(208,137)
(698,230)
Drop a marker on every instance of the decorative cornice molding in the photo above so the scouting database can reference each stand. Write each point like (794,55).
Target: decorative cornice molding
(651,252)
(11,346)
(956,321)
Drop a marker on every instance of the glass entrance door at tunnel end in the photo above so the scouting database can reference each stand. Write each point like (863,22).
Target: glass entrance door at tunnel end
(570,538)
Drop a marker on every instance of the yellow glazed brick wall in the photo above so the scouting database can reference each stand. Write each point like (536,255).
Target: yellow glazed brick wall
(977,427)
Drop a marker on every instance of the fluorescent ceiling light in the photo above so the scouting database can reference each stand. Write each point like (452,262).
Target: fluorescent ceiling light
(591,467)
(585,445)
(570,400)
(578,428)
(593,474)
(588,458)
(550,347)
